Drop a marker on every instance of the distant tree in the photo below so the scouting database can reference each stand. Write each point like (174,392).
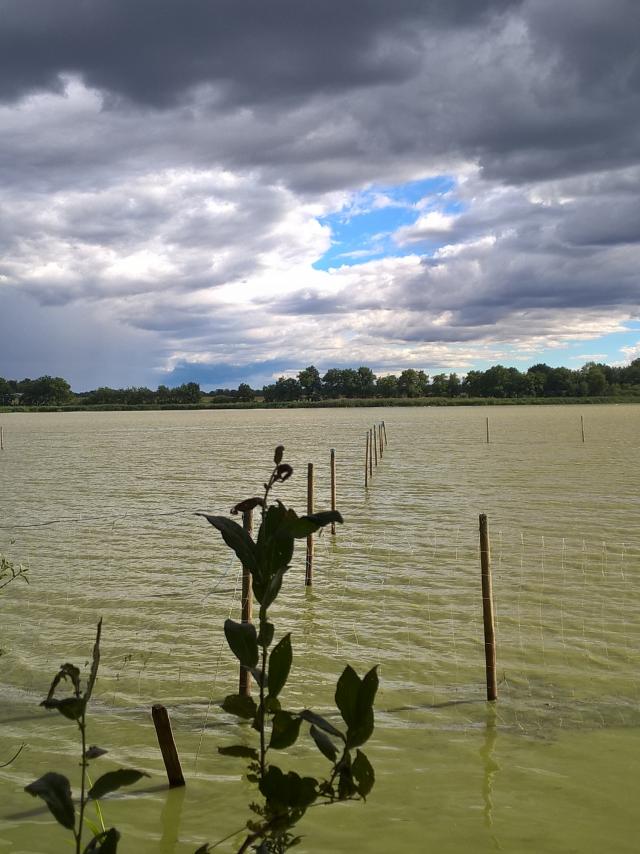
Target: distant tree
(454,386)
(439,385)
(44,391)
(387,386)
(245,392)
(333,384)
(310,382)
(284,390)
(187,393)
(6,392)
(366,382)
(412,383)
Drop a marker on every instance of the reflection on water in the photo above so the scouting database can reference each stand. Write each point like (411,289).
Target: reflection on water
(101,506)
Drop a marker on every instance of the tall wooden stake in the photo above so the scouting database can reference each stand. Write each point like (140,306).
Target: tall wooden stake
(380,442)
(366,463)
(384,428)
(167,745)
(582,426)
(1,438)
(308,574)
(244,684)
(333,487)
(370,454)
(374,439)
(487,611)
(487,429)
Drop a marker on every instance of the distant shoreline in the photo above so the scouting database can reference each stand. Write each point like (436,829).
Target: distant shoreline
(342,403)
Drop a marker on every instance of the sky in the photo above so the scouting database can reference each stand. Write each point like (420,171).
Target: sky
(227,191)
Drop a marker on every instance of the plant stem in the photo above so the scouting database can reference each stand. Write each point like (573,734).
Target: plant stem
(263,750)
(83,764)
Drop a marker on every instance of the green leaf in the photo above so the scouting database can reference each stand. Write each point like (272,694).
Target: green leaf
(104,843)
(363,774)
(236,538)
(94,752)
(346,695)
(265,635)
(241,706)
(272,704)
(321,723)
(288,790)
(279,665)
(71,707)
(285,730)
(324,743)
(113,780)
(272,589)
(95,661)
(243,641)
(257,674)
(55,791)
(360,733)
(67,671)
(239,750)
(305,525)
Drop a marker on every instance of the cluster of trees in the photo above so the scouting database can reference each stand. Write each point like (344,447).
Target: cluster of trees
(592,380)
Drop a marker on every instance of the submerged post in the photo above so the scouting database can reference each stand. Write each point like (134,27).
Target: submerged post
(366,463)
(333,486)
(384,428)
(487,611)
(244,683)
(370,454)
(167,745)
(374,439)
(308,573)
(487,429)
(1,438)
(582,427)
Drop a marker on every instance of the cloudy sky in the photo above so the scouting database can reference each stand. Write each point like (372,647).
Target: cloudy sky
(230,190)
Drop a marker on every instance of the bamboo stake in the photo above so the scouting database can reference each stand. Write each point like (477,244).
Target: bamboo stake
(308,574)
(370,454)
(374,438)
(487,429)
(244,682)
(380,442)
(366,463)
(582,427)
(167,745)
(1,438)
(384,427)
(333,487)
(487,611)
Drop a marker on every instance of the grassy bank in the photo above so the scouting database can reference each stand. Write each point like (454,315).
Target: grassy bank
(340,403)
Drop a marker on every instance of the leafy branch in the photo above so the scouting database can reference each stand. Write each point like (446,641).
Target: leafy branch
(287,796)
(10,572)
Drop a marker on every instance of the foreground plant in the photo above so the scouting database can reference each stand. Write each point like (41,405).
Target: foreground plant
(10,572)
(55,789)
(287,795)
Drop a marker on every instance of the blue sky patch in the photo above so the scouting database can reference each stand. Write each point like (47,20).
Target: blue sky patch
(363,230)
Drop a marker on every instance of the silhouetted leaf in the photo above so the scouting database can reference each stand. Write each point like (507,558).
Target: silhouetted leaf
(113,780)
(279,666)
(278,454)
(324,743)
(67,671)
(346,695)
(285,730)
(257,674)
(242,707)
(363,774)
(265,635)
(273,588)
(243,641)
(104,843)
(360,733)
(246,505)
(305,525)
(239,750)
(55,791)
(355,697)
(94,752)
(71,707)
(95,662)
(236,538)
(321,723)
(288,790)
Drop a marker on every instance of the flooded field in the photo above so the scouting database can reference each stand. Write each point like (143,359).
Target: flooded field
(101,507)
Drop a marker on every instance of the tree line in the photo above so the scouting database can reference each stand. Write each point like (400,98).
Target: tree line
(591,380)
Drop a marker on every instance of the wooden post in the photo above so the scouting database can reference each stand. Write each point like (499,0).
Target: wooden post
(380,442)
(370,455)
(244,683)
(487,429)
(582,427)
(308,574)
(366,463)
(333,487)
(487,611)
(384,428)
(167,745)
(1,438)
(374,439)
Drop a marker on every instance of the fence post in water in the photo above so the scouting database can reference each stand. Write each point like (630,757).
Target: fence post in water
(366,463)
(380,442)
(582,427)
(244,684)
(1,438)
(487,429)
(384,428)
(333,487)
(308,573)
(487,611)
(167,745)
(374,439)
(370,454)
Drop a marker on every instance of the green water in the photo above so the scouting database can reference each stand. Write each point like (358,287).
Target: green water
(101,507)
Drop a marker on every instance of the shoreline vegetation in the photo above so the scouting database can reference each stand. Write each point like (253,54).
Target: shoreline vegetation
(345,387)
(340,403)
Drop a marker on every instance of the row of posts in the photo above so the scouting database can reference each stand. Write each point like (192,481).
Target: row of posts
(375,445)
